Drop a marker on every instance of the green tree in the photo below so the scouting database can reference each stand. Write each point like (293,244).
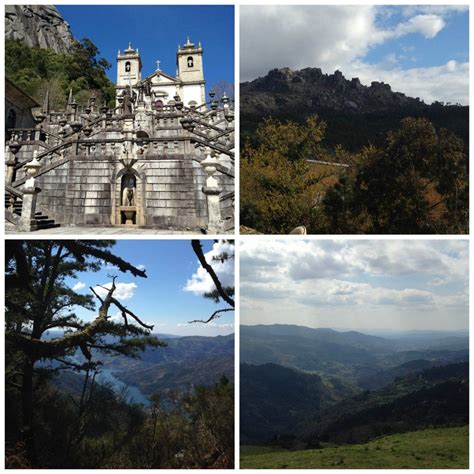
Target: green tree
(39,300)
(416,184)
(279,188)
(36,70)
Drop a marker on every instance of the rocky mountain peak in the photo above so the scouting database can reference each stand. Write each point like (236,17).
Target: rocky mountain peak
(38,26)
(311,89)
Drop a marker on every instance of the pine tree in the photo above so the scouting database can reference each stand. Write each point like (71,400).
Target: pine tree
(39,300)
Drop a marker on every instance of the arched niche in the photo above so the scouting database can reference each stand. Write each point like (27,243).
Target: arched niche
(128,197)
(142,134)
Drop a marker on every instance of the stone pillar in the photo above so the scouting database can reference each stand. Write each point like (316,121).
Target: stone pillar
(30,193)
(212,192)
(10,163)
(27,221)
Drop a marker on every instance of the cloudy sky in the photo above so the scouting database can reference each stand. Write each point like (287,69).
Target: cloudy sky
(355,284)
(422,51)
(171,296)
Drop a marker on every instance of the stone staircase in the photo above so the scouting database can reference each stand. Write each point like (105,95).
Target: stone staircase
(40,220)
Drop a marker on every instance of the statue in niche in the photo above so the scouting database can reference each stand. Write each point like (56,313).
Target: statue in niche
(128,100)
(128,190)
(147,88)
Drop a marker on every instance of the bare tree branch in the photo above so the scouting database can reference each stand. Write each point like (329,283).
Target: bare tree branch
(215,315)
(126,311)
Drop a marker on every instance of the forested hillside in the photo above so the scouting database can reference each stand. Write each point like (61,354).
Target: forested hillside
(81,70)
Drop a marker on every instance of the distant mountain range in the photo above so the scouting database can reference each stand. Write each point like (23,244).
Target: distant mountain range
(356,114)
(352,355)
(345,387)
(185,363)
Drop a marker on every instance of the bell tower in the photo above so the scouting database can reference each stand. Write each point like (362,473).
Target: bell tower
(129,67)
(191,73)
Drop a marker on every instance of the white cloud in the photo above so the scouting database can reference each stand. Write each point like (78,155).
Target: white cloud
(277,36)
(359,283)
(427,25)
(444,10)
(78,286)
(427,83)
(123,291)
(200,282)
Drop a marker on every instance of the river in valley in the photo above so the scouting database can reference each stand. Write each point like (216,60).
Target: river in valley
(130,393)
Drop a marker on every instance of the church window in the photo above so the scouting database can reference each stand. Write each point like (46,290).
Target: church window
(158,105)
(127,66)
(190,61)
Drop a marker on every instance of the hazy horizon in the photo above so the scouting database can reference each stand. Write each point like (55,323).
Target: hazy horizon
(366,331)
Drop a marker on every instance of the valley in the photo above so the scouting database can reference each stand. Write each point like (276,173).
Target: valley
(183,364)
(304,388)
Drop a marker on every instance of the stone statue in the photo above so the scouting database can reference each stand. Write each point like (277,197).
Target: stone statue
(147,87)
(128,192)
(128,101)
(128,197)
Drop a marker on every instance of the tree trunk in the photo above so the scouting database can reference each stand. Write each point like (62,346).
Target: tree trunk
(27,429)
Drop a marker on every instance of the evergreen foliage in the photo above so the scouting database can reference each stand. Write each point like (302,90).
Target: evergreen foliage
(37,70)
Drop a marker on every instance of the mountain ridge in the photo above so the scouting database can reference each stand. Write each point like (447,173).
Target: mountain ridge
(356,114)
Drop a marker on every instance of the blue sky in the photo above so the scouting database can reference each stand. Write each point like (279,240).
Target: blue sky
(157,30)
(363,285)
(414,49)
(422,51)
(171,295)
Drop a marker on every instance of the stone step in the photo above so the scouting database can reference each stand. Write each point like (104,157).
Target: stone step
(44,224)
(42,217)
(40,221)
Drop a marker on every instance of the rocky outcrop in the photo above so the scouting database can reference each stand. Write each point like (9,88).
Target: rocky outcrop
(310,88)
(355,114)
(39,26)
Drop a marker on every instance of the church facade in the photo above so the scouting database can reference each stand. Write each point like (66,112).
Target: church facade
(162,158)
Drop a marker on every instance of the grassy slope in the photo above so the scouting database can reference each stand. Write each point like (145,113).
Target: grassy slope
(432,449)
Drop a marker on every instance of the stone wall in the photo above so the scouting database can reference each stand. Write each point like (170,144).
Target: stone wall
(83,191)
